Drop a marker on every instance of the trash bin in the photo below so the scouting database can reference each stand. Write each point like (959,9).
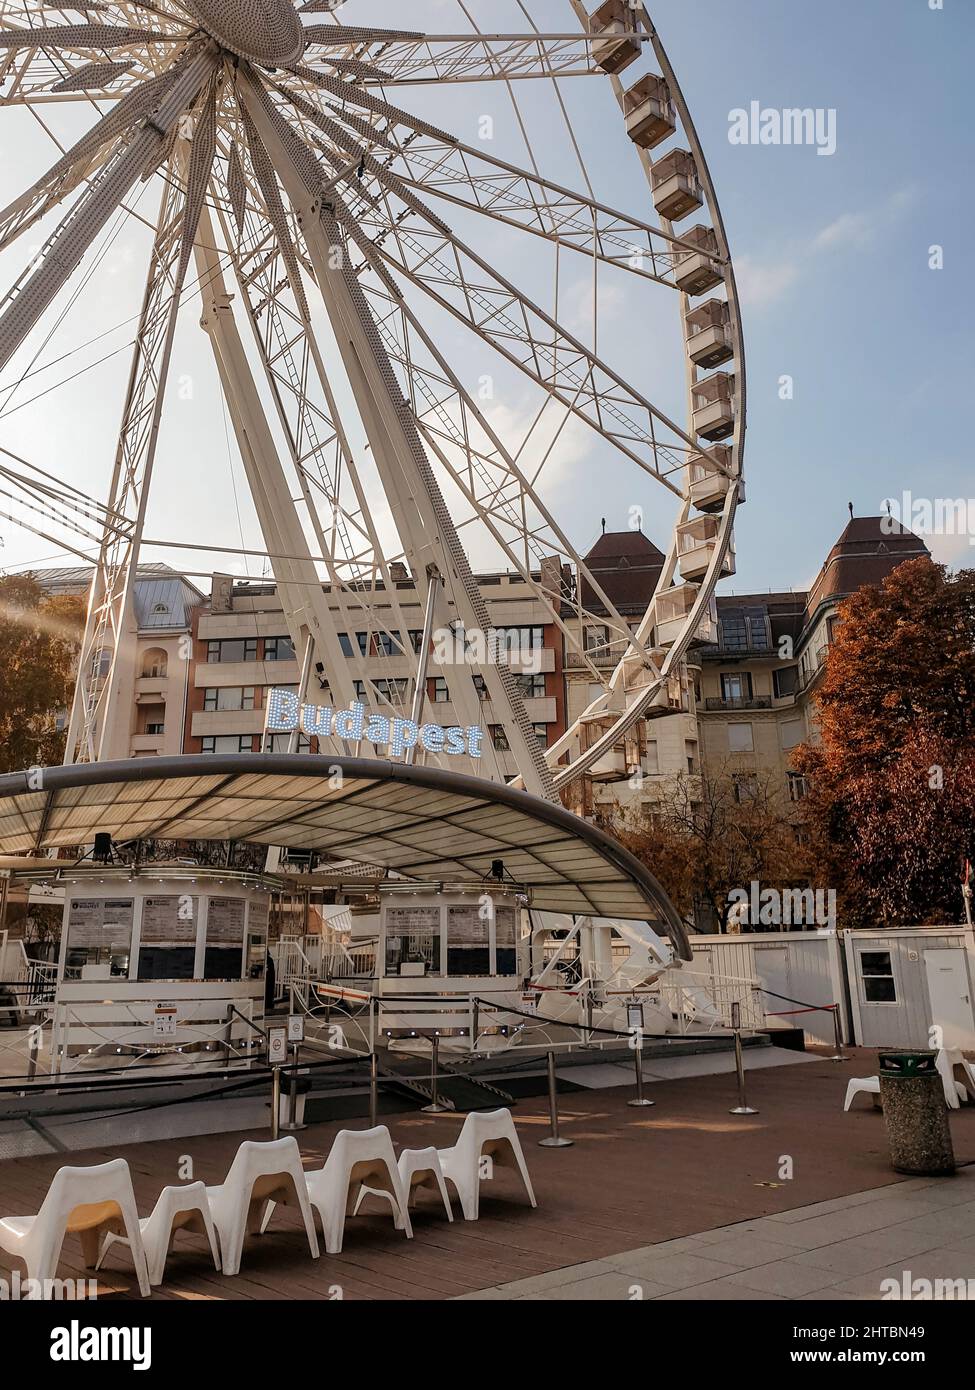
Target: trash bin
(915,1113)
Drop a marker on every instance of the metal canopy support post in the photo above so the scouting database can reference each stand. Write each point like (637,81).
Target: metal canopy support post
(420,693)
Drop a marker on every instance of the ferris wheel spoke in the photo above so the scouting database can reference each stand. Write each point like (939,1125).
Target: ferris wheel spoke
(424,520)
(111,593)
(91,152)
(445,167)
(319,448)
(460,281)
(44,278)
(490,480)
(55,63)
(462,58)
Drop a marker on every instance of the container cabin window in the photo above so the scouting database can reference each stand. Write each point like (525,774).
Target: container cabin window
(877,974)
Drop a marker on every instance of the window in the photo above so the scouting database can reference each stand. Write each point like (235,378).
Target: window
(690,754)
(480,687)
(740,738)
(736,686)
(388,644)
(345,644)
(651,760)
(517,639)
(101,664)
(360,691)
(391,688)
(877,974)
(499,738)
(792,732)
(229,697)
(154,663)
(440,692)
(596,638)
(797,785)
(541,733)
(279,649)
(228,743)
(744,629)
(232,649)
(281,743)
(532,687)
(415,635)
(362,642)
(155,727)
(785,682)
(746,787)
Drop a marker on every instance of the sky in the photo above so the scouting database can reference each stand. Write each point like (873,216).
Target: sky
(831,252)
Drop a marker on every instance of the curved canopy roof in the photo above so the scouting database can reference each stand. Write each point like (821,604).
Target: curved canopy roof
(423,822)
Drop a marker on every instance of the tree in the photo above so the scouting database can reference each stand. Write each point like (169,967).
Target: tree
(708,836)
(890,809)
(39,639)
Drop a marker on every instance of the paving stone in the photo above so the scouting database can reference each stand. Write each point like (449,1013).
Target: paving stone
(721,1291)
(677,1271)
(744,1251)
(787,1278)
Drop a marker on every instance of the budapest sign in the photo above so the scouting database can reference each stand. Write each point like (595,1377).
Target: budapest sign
(286,713)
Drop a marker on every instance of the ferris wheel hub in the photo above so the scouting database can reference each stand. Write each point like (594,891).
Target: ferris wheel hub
(268,32)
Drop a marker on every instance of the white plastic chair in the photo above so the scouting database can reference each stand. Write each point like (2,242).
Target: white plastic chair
(357,1158)
(948,1061)
(261,1176)
(868,1084)
(489,1134)
(88,1202)
(177,1209)
(945,1063)
(418,1168)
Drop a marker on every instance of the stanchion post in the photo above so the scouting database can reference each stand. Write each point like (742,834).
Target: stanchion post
(435,1108)
(742,1108)
(275,1101)
(373,1089)
(475,1022)
(553,1140)
(837,1036)
(639,1101)
(292,1125)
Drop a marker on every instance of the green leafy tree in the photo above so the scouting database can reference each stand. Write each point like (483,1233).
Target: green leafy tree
(39,640)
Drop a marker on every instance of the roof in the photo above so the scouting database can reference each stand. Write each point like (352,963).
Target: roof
(176,592)
(423,822)
(626,566)
(869,549)
(164,603)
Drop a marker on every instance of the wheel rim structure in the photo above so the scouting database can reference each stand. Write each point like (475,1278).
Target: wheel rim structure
(359,238)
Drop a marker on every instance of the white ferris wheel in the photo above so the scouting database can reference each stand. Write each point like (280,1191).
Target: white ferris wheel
(377,222)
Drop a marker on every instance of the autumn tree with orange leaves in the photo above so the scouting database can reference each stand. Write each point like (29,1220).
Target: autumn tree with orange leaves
(39,639)
(890,809)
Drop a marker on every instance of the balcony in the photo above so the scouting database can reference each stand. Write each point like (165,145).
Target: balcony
(733,702)
(651,115)
(618,46)
(676,190)
(696,272)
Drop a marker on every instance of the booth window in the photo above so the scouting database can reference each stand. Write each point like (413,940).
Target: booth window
(99,937)
(223,957)
(412,941)
(877,974)
(167,946)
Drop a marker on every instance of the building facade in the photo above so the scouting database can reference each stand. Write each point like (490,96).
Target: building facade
(204,665)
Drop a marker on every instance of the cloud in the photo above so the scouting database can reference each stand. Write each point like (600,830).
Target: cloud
(762,282)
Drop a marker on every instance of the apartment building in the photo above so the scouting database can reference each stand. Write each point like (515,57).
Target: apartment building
(241,648)
(204,665)
(758,681)
(154,684)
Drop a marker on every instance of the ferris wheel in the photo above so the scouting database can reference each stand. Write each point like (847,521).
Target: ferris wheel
(440,273)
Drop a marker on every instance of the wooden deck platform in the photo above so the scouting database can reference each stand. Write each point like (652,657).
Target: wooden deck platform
(634,1177)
